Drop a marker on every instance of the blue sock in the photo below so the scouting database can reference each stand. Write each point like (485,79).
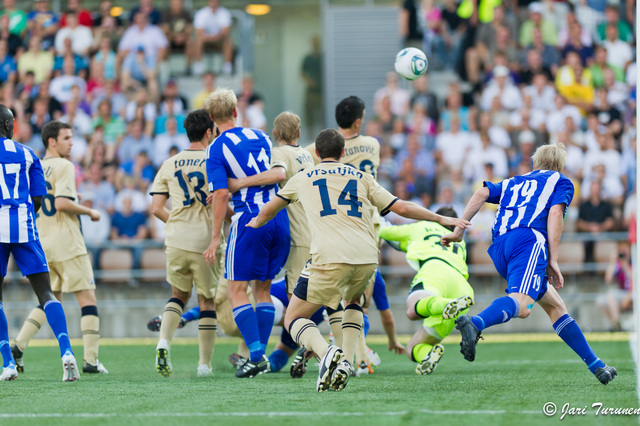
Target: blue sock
(192,314)
(5,349)
(265,313)
(245,318)
(498,312)
(318,318)
(278,359)
(365,318)
(58,322)
(569,331)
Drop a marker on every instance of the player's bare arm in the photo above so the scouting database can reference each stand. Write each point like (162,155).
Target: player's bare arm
(554,231)
(220,203)
(268,212)
(64,204)
(159,207)
(414,211)
(272,176)
(475,203)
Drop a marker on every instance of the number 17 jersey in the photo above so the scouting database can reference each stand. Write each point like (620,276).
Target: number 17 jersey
(183,178)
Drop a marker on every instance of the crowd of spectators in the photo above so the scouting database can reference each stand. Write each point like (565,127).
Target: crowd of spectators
(529,73)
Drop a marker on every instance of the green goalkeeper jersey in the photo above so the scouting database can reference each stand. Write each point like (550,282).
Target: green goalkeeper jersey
(421,242)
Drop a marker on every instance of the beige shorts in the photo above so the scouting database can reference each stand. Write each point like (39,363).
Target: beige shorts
(187,268)
(330,283)
(73,275)
(298,257)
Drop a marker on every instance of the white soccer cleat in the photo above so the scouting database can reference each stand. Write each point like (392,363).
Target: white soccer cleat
(9,373)
(70,368)
(430,362)
(364,369)
(453,308)
(204,371)
(328,364)
(98,368)
(373,357)
(341,376)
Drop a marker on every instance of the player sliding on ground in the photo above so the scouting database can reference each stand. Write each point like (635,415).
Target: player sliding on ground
(183,178)
(439,291)
(71,270)
(22,188)
(526,235)
(338,201)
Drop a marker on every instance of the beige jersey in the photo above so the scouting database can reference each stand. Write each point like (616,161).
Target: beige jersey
(294,159)
(60,232)
(361,152)
(338,201)
(183,177)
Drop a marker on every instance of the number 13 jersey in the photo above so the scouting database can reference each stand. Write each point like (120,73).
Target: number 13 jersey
(60,232)
(338,201)
(183,178)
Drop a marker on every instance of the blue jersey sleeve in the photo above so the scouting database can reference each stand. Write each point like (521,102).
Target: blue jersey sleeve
(37,185)
(495,191)
(216,170)
(563,193)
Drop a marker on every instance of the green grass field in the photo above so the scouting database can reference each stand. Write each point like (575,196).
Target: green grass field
(508,384)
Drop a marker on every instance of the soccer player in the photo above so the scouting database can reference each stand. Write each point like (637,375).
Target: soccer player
(287,160)
(439,291)
(526,235)
(70,268)
(183,178)
(363,153)
(253,255)
(338,202)
(22,187)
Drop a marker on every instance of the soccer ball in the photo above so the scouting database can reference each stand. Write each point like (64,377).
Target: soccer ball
(411,63)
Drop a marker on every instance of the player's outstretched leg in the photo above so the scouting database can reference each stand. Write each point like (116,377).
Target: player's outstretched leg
(9,371)
(299,364)
(570,333)
(29,329)
(442,306)
(470,336)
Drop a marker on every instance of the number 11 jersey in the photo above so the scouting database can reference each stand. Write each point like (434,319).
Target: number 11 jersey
(183,178)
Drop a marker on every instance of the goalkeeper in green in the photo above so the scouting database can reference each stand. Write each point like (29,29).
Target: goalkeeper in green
(439,292)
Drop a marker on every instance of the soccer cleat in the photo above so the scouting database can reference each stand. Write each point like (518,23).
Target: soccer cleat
(155,323)
(182,322)
(605,374)
(250,369)
(163,365)
(470,337)
(299,364)
(70,368)
(374,357)
(204,371)
(17,355)
(456,306)
(237,360)
(364,369)
(98,368)
(341,376)
(328,364)
(430,362)
(9,373)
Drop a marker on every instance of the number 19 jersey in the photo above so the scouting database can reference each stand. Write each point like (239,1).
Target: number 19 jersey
(338,202)
(60,232)
(183,178)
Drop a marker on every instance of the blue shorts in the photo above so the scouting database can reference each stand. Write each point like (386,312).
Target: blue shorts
(520,256)
(279,291)
(29,257)
(380,292)
(257,253)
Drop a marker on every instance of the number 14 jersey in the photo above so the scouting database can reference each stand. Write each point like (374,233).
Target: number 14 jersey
(338,201)
(183,178)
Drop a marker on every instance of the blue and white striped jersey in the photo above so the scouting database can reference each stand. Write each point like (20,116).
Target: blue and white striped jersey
(238,153)
(21,178)
(524,201)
